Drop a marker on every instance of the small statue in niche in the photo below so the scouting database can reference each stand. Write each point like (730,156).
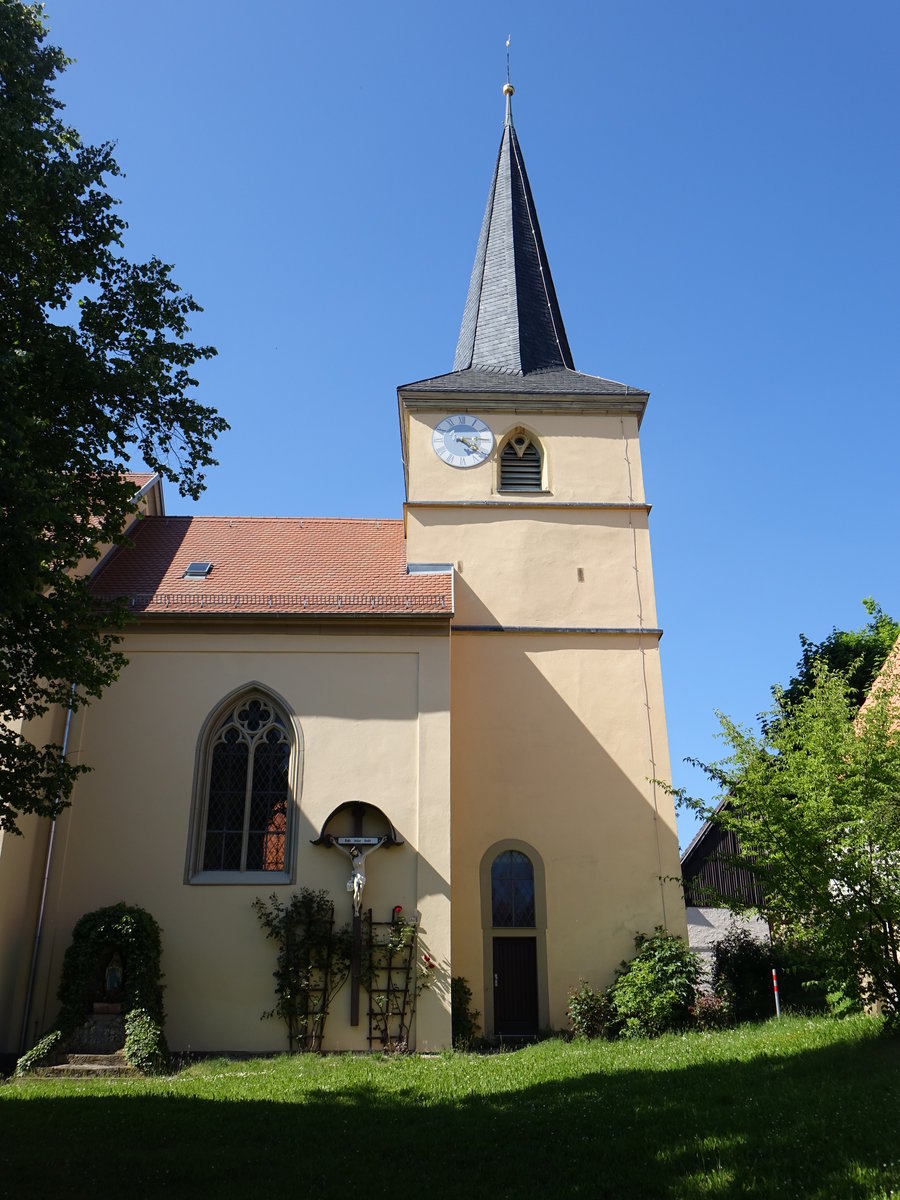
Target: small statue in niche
(113,978)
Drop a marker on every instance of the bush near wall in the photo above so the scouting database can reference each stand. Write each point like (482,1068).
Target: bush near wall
(742,975)
(655,991)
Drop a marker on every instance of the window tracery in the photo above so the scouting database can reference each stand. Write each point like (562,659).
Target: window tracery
(246,801)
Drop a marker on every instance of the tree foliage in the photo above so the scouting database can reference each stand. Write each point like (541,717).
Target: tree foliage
(815,804)
(857,654)
(95,369)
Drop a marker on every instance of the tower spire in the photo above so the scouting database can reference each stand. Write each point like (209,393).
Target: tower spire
(511,321)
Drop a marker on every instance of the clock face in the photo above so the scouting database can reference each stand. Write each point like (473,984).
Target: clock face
(462,440)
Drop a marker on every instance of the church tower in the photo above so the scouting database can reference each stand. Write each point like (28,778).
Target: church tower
(524,475)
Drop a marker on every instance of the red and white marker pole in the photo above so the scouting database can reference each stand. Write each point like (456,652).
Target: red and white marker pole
(775,989)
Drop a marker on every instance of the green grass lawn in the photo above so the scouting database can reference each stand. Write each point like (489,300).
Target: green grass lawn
(804,1108)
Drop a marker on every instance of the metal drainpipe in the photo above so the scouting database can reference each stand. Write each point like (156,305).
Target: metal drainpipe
(40,922)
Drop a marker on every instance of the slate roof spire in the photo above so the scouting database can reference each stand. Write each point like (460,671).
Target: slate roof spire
(511,321)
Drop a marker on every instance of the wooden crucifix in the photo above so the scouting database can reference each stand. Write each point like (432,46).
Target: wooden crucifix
(357,848)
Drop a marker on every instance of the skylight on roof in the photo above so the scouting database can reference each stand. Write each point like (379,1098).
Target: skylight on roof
(197,570)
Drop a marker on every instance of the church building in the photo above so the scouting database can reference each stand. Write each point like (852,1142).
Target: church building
(456,714)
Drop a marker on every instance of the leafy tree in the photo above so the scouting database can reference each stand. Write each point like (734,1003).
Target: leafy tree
(815,804)
(94,368)
(857,654)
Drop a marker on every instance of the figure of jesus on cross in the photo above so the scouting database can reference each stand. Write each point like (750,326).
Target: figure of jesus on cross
(351,847)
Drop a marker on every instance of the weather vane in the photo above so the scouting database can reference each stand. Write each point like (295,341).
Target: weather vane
(508,36)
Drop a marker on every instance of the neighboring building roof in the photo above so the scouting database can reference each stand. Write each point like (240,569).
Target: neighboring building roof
(708,869)
(140,479)
(271,565)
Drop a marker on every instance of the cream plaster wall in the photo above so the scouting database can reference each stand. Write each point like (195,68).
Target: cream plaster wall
(555,742)
(21,876)
(520,566)
(592,457)
(374,717)
(21,862)
(555,736)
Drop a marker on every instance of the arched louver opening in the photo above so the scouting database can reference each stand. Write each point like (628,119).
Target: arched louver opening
(520,465)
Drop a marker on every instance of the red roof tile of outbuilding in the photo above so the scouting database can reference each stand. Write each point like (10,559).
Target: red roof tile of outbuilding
(282,565)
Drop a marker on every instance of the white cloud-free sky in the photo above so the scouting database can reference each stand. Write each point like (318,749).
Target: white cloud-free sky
(718,186)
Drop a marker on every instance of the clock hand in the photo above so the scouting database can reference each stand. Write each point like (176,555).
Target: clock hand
(473,445)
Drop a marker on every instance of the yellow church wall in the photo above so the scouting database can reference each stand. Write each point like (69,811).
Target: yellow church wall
(552,749)
(558,722)
(374,715)
(540,566)
(21,876)
(21,863)
(591,456)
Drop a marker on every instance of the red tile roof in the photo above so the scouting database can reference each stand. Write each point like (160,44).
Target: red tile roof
(280,565)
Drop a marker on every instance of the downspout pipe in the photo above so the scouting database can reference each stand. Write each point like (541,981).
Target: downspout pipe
(47,863)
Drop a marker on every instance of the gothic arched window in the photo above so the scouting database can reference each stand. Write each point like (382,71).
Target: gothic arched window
(521,464)
(245,776)
(512,891)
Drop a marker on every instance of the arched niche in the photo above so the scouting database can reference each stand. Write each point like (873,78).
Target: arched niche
(357,819)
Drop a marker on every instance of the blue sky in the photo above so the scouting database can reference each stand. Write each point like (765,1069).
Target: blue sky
(718,186)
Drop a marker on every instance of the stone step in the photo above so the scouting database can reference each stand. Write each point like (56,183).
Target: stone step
(88,1066)
(100,1060)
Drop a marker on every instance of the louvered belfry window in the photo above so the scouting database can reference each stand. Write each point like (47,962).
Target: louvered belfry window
(249,786)
(512,891)
(520,465)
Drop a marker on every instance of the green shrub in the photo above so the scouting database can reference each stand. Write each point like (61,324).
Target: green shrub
(742,975)
(591,1013)
(40,1055)
(145,1043)
(805,976)
(710,1012)
(654,992)
(464,1018)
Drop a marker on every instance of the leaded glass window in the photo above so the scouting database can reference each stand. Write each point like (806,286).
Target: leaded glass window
(512,891)
(249,789)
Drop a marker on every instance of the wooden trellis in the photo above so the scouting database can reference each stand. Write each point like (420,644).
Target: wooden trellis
(390,978)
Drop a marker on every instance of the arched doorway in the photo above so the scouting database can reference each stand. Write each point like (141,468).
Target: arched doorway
(514,920)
